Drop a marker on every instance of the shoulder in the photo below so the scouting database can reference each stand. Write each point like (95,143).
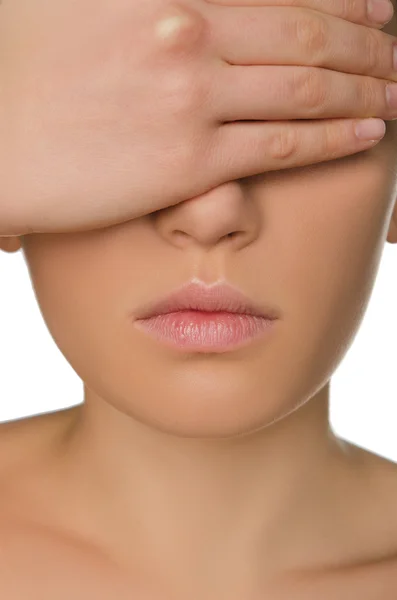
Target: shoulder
(30,544)
(25,447)
(363,561)
(20,437)
(374,581)
(373,505)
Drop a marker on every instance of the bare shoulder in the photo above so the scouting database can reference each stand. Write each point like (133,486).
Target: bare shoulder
(25,445)
(368,569)
(23,437)
(373,581)
(54,563)
(376,502)
(373,514)
(34,429)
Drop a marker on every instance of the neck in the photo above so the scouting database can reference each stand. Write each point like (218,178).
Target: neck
(176,505)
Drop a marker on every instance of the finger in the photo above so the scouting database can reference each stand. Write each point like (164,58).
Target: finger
(296,36)
(246,149)
(283,93)
(349,10)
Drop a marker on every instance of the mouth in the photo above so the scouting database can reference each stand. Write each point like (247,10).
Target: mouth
(206,319)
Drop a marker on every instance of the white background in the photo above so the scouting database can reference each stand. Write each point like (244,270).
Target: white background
(36,378)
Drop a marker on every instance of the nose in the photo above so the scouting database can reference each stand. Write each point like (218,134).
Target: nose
(225,214)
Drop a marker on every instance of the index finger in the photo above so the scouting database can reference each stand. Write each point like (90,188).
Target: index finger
(349,10)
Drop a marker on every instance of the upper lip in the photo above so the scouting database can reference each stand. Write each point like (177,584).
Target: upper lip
(197,296)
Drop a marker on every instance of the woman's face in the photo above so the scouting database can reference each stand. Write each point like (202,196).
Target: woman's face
(308,242)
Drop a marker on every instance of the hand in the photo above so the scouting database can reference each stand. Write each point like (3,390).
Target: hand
(109,111)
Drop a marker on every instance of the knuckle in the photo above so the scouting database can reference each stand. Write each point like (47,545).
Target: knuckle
(335,138)
(282,144)
(311,32)
(189,155)
(310,89)
(350,9)
(192,139)
(373,49)
(369,98)
(179,28)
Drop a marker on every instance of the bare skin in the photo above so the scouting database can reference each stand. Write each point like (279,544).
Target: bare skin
(58,562)
(287,510)
(308,240)
(291,512)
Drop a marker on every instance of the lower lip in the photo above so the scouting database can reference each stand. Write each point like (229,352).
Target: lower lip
(205,331)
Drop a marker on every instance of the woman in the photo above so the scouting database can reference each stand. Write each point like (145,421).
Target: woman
(202,463)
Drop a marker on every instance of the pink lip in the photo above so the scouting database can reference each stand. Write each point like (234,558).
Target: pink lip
(205,319)
(198,331)
(215,298)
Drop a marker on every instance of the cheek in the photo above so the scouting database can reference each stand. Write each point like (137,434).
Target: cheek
(328,225)
(71,279)
(324,229)
(337,215)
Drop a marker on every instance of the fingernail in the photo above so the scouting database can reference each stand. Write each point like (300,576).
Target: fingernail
(380,11)
(370,129)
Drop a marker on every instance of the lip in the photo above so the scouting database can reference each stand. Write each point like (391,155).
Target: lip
(220,297)
(199,331)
